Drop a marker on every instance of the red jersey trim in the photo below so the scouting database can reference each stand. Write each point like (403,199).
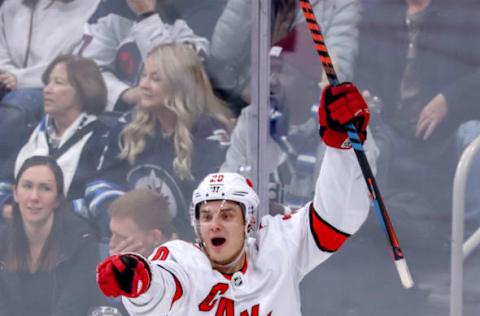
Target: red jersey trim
(178,288)
(243,270)
(178,291)
(327,237)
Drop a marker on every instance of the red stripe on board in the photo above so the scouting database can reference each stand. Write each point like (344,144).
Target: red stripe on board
(327,237)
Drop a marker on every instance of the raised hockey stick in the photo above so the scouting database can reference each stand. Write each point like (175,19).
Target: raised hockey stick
(398,256)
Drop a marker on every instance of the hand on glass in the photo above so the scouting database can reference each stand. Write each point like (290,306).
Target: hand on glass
(432,114)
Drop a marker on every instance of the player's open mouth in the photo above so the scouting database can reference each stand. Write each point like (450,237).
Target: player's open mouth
(218,241)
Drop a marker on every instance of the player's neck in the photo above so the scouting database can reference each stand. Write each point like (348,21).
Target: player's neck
(232,267)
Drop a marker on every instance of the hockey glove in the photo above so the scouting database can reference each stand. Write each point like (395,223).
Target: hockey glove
(339,106)
(124,274)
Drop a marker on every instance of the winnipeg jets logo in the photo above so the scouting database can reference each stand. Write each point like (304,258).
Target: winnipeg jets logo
(155,178)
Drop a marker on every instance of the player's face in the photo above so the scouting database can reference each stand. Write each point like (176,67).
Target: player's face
(153,88)
(36,195)
(222,229)
(60,98)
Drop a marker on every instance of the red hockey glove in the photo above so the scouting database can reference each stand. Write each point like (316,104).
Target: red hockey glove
(123,274)
(340,105)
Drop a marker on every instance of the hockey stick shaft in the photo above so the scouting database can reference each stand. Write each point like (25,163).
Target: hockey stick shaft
(375,195)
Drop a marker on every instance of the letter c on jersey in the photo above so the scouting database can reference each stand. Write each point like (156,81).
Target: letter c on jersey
(209,302)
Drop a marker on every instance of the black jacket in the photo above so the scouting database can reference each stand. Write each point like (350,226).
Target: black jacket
(70,289)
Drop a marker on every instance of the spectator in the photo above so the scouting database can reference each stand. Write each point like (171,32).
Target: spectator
(201,16)
(24,52)
(70,132)
(295,70)
(175,135)
(140,221)
(418,57)
(48,255)
(230,48)
(119,36)
(294,90)
(288,94)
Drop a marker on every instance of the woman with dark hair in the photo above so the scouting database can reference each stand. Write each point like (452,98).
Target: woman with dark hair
(24,52)
(47,254)
(70,132)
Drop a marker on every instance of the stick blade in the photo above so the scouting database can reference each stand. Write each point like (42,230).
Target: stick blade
(404,273)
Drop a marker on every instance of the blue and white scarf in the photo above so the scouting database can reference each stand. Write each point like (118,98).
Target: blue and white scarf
(38,144)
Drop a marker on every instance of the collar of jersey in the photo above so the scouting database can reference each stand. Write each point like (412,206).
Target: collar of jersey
(228,276)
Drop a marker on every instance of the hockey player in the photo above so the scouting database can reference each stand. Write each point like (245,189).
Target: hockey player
(228,272)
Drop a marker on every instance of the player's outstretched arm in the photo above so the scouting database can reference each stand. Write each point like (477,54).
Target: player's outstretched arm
(341,197)
(144,285)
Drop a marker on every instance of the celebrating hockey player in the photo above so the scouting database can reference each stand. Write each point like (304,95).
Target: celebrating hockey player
(231,273)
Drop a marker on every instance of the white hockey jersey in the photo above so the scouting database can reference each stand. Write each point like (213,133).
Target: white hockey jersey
(286,248)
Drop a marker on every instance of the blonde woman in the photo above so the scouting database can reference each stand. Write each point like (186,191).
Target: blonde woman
(176,135)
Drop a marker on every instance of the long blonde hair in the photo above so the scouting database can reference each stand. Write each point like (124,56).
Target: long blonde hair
(190,95)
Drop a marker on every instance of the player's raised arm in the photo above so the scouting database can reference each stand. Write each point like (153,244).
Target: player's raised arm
(341,197)
(341,202)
